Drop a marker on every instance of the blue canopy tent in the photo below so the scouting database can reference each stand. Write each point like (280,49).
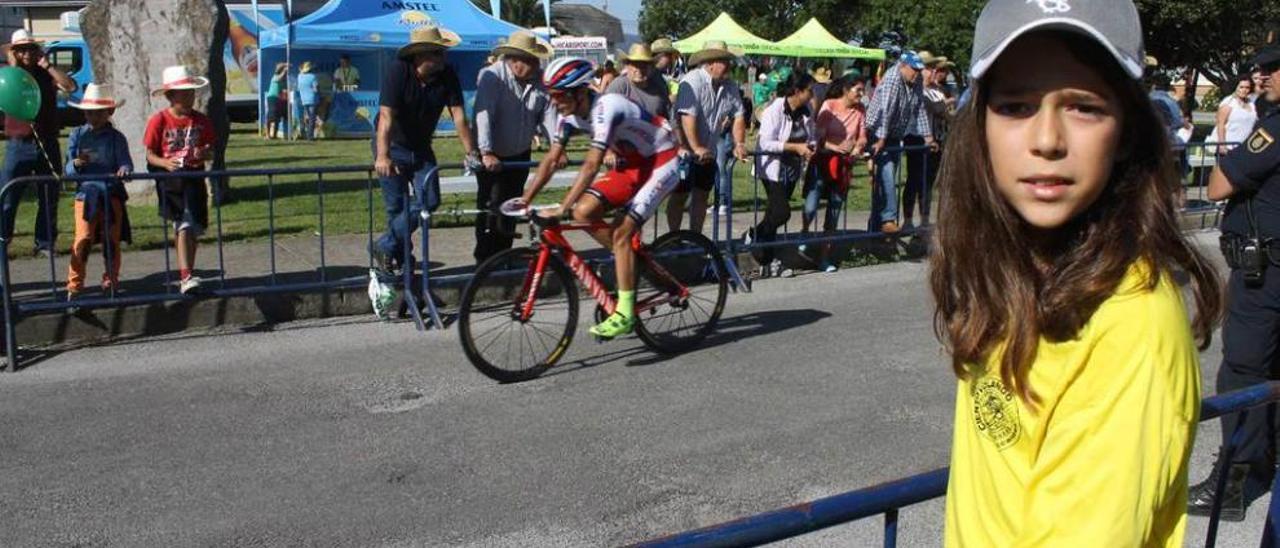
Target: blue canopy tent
(370,32)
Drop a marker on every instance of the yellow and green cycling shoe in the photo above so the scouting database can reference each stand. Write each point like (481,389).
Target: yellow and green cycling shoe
(614,326)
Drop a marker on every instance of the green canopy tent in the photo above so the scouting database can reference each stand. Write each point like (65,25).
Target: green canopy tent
(814,40)
(725,29)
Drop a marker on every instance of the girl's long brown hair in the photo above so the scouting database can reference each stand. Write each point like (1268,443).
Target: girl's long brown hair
(993,284)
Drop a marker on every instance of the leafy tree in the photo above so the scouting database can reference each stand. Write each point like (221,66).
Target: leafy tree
(526,13)
(944,27)
(1214,37)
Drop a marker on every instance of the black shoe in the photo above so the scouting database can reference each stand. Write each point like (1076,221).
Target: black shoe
(1200,496)
(382,260)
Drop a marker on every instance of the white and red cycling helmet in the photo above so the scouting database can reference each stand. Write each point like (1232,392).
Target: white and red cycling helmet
(566,73)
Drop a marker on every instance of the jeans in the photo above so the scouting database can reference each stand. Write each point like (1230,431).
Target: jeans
(820,189)
(23,157)
(309,122)
(495,231)
(922,170)
(884,186)
(418,169)
(724,176)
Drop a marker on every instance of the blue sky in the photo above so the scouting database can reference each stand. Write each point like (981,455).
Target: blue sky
(626,10)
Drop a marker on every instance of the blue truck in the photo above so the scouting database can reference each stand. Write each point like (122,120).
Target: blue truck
(240,57)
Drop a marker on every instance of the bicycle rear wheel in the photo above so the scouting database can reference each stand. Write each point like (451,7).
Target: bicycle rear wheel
(680,291)
(497,337)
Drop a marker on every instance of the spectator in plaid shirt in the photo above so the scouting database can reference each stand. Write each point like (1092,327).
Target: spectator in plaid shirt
(897,103)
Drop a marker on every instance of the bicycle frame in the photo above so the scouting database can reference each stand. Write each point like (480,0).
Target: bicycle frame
(552,238)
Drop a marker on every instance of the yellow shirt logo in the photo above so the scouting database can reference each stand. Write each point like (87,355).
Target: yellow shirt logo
(994,412)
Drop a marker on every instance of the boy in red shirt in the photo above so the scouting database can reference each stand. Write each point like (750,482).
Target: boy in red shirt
(178,138)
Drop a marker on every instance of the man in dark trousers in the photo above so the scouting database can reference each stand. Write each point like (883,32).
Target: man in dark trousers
(32,147)
(416,88)
(510,105)
(1249,176)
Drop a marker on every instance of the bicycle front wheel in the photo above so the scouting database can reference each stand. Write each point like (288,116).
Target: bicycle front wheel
(680,292)
(507,335)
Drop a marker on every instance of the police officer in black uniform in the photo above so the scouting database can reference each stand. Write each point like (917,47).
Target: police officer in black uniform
(1250,177)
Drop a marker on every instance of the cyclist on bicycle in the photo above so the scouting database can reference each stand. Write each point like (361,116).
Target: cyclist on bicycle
(644,171)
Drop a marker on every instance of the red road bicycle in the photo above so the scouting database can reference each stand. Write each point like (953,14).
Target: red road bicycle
(520,310)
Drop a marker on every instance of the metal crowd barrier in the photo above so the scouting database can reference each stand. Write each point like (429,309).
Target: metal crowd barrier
(57,301)
(1197,160)
(722,232)
(889,498)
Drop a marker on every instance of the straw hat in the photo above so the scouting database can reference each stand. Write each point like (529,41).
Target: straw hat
(97,97)
(931,60)
(637,53)
(523,43)
(822,75)
(428,39)
(179,77)
(715,50)
(663,46)
(22,37)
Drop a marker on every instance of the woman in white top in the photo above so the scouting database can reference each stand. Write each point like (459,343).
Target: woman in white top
(1236,116)
(787,140)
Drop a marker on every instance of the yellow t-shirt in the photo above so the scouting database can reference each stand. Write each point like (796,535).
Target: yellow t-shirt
(1103,461)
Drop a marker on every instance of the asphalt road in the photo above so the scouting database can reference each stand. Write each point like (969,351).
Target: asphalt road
(355,433)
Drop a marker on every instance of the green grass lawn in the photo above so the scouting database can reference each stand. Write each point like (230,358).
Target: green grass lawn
(294,201)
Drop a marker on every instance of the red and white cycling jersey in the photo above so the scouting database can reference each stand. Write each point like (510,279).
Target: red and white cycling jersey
(619,124)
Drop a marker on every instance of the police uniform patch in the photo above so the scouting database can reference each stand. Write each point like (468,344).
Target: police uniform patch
(994,412)
(1259,141)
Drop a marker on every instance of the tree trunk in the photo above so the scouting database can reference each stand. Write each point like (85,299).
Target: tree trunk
(132,41)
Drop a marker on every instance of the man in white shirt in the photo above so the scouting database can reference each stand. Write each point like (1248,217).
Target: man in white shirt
(708,104)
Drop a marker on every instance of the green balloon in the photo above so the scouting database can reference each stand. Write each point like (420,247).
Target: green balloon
(19,94)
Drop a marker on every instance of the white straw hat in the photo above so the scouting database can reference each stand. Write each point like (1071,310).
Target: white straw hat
(22,37)
(97,97)
(179,77)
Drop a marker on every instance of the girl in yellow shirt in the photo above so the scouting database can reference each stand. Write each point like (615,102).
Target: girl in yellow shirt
(1052,271)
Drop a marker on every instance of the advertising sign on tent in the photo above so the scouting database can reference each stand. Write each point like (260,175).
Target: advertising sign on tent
(814,40)
(241,54)
(370,32)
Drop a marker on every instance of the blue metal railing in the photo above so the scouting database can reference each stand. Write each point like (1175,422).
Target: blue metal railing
(57,300)
(888,498)
(1198,159)
(722,233)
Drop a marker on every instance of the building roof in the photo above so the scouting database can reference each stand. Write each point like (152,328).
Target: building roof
(586,20)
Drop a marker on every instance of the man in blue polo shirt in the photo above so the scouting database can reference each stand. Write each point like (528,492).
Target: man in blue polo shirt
(416,89)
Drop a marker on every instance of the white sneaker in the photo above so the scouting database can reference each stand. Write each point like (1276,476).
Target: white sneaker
(189,284)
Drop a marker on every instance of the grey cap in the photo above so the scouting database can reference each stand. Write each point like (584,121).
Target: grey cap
(1112,23)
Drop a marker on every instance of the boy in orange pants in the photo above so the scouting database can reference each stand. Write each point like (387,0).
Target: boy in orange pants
(97,148)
